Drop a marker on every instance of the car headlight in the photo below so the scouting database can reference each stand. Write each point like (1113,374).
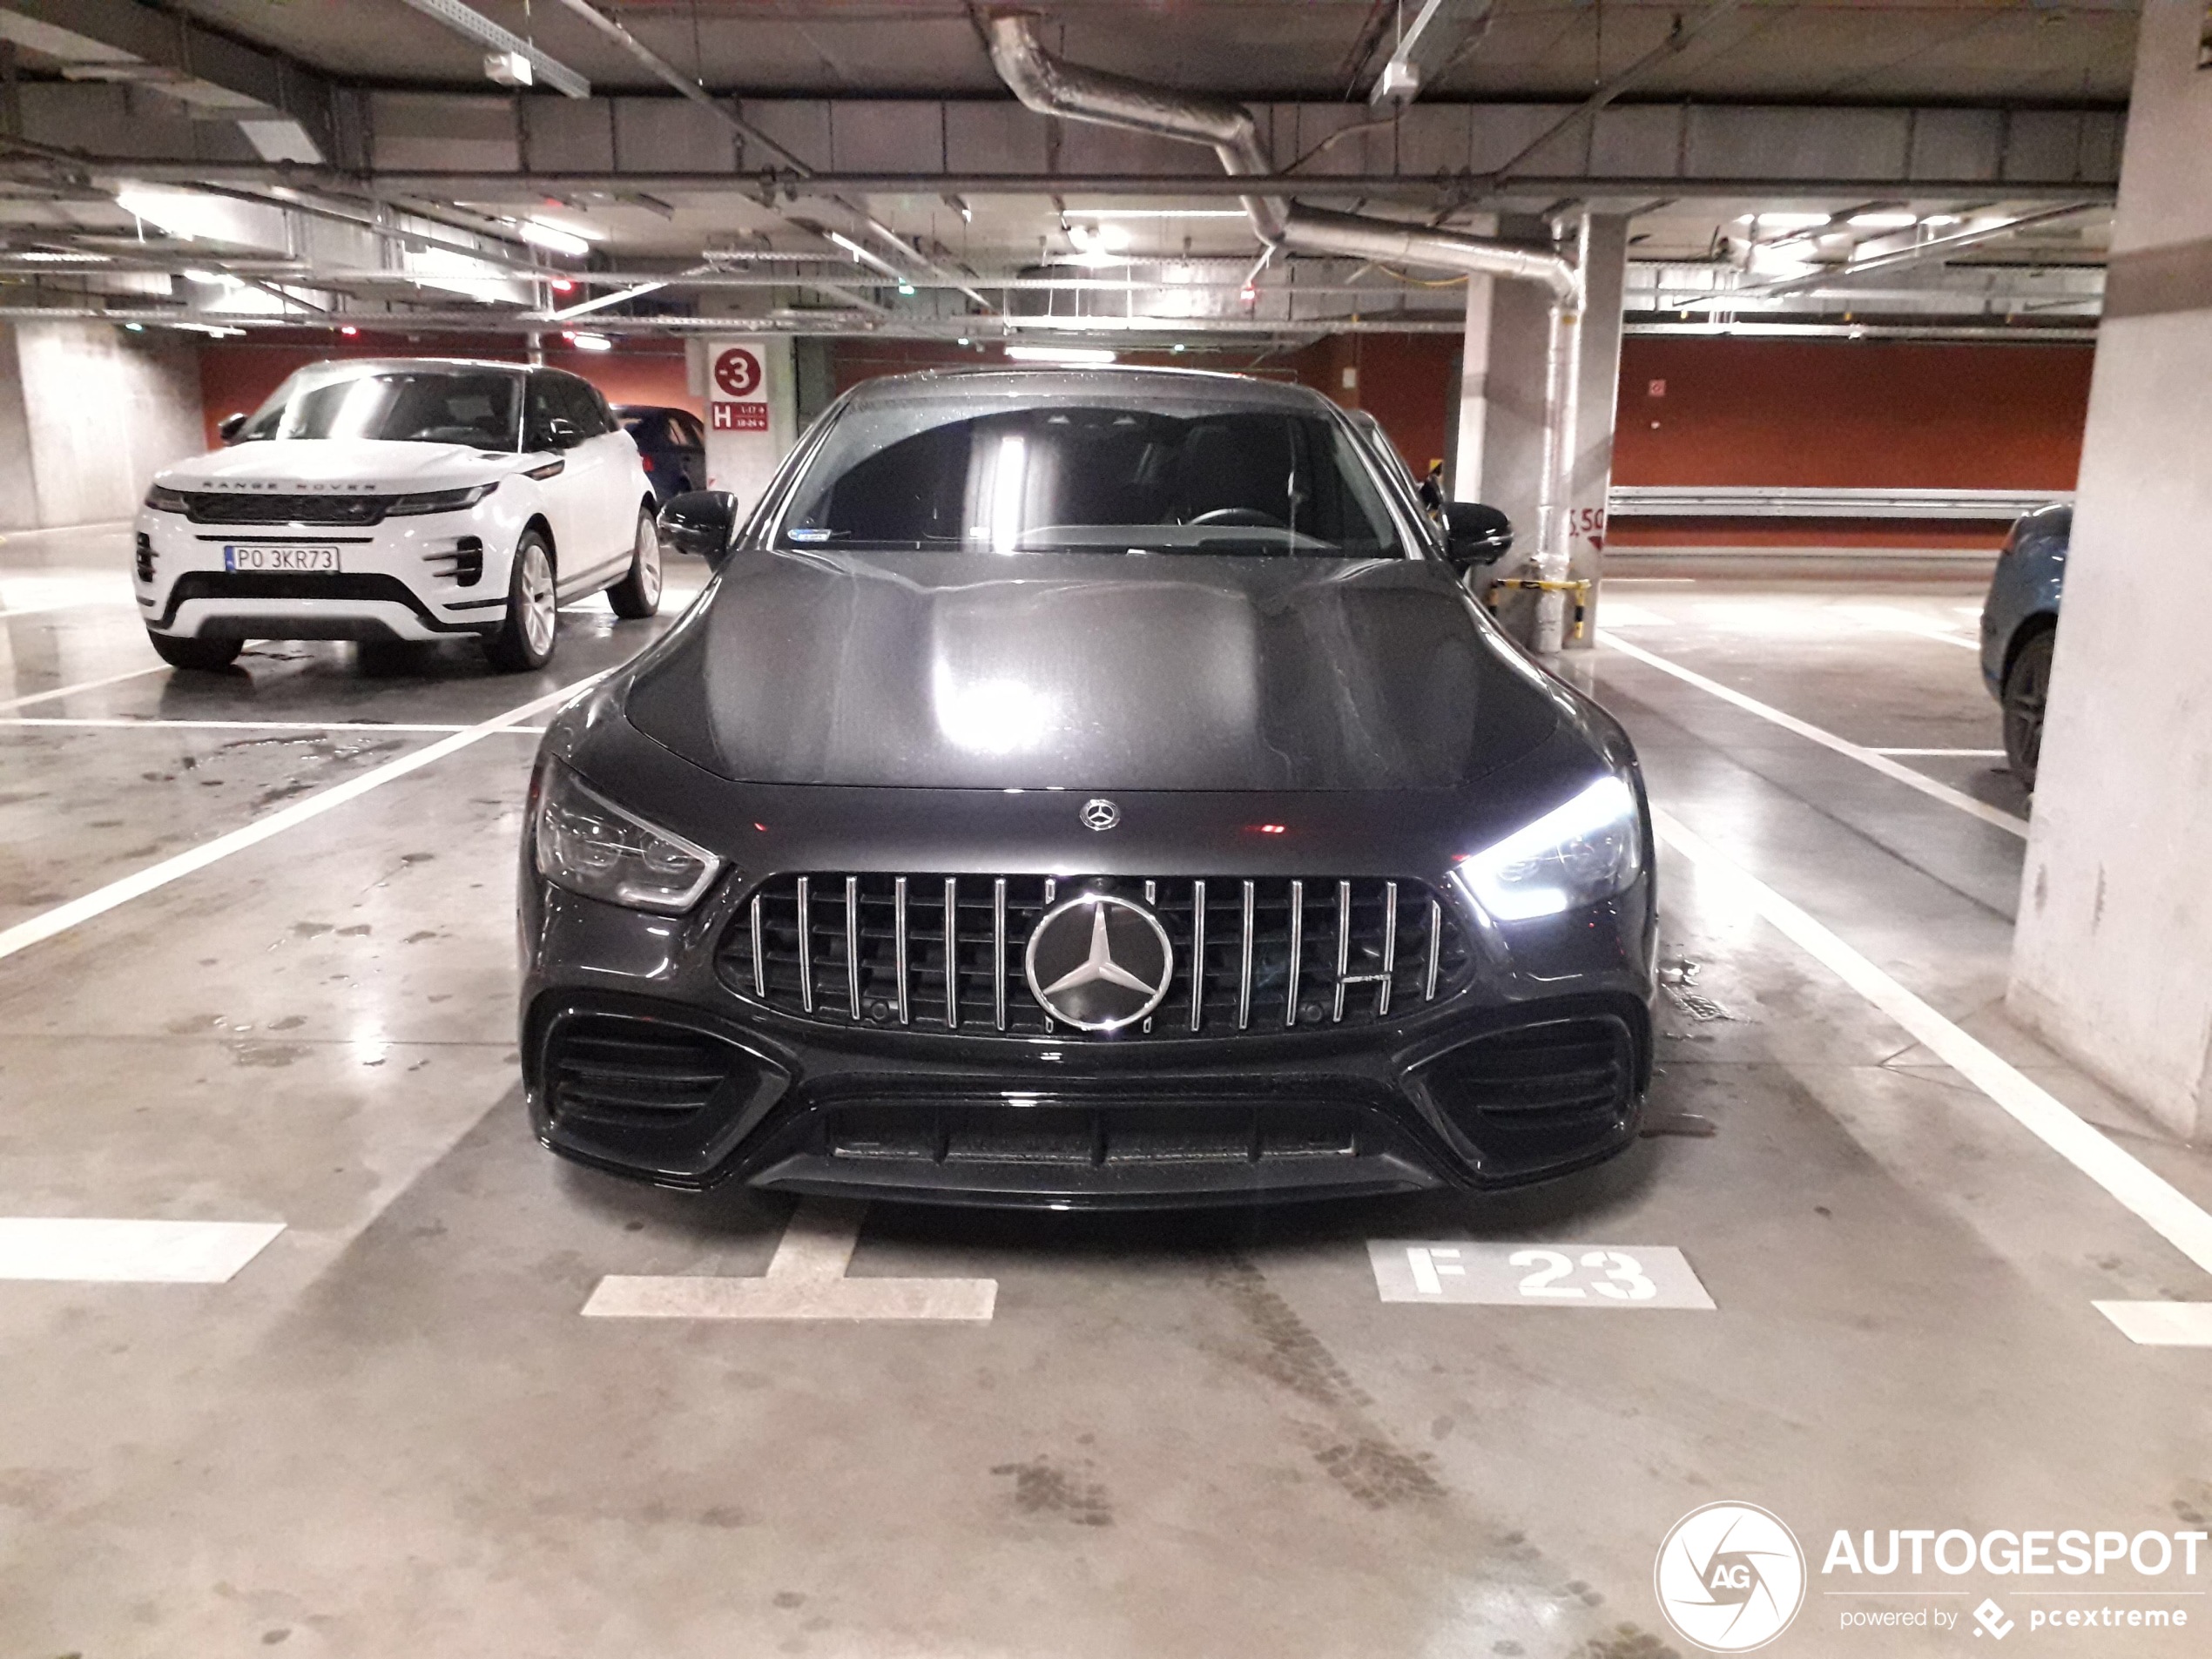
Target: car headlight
(585,843)
(163,499)
(440,500)
(1588,849)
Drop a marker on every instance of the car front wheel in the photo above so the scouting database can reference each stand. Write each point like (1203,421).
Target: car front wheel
(637,594)
(525,637)
(2027,687)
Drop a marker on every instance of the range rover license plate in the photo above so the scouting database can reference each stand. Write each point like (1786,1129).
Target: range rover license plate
(321,560)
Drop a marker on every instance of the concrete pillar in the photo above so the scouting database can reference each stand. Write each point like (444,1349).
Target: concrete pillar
(2113,958)
(1598,394)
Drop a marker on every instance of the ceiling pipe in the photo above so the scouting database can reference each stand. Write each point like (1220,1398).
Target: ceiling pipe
(1051,86)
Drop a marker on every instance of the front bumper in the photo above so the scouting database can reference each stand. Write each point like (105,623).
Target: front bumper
(417,577)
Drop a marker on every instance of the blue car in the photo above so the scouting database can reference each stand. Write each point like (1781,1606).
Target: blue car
(2020,620)
(671,443)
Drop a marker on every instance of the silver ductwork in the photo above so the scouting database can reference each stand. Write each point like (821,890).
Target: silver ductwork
(1051,86)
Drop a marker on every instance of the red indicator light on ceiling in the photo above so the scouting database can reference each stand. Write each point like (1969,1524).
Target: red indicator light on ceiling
(561,285)
(763,828)
(349,330)
(1270,829)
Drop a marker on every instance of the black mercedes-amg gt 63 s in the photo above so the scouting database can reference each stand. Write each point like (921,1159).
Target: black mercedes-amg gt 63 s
(1086,788)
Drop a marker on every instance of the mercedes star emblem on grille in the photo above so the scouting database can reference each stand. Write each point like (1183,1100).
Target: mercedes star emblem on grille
(1099,961)
(1100,815)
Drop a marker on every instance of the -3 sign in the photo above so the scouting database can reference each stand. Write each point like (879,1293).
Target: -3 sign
(1589,1276)
(737,372)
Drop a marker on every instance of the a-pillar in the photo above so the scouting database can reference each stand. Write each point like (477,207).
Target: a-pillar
(2113,958)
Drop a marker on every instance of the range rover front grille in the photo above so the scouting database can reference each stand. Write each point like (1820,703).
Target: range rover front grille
(251,507)
(1272,954)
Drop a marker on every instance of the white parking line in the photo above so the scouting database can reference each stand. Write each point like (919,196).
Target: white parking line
(24,935)
(129,1252)
(2163,1207)
(82,686)
(806,1280)
(2162,1325)
(258,725)
(1870,757)
(1978,754)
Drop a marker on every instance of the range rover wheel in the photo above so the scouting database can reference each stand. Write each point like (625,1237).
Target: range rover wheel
(2027,685)
(205,654)
(525,637)
(637,594)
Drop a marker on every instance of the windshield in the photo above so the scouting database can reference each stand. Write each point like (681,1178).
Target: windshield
(1090,476)
(415,404)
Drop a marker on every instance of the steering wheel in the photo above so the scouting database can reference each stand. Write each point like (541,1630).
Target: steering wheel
(1250,517)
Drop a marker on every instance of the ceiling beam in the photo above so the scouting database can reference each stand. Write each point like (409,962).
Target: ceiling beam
(284,110)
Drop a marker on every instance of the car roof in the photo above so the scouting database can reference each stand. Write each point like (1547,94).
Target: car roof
(1207,388)
(419,363)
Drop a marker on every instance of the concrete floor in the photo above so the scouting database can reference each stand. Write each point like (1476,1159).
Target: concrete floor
(391,1432)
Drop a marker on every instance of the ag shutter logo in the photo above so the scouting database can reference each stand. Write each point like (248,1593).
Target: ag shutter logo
(1729,1577)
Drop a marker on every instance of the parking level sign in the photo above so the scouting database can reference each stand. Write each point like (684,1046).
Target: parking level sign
(1571,1276)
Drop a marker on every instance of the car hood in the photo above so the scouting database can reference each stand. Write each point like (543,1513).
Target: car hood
(371,466)
(1091,671)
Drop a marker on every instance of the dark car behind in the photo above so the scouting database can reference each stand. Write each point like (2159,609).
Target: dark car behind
(670,443)
(2019,622)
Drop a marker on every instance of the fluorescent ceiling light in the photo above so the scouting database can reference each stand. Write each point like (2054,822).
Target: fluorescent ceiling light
(554,239)
(1156,212)
(1792,221)
(1937,221)
(1068,356)
(1884,221)
(590,342)
(61,256)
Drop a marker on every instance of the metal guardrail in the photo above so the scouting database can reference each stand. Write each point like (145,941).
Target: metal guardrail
(1752,501)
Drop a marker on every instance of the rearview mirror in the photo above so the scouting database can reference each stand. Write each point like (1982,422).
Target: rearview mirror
(229,426)
(700,523)
(1475,534)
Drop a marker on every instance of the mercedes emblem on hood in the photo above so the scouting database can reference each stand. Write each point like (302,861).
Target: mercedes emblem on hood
(1099,961)
(1100,814)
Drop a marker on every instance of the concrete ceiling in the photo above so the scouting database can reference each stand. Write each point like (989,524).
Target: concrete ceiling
(407,159)
(1794,51)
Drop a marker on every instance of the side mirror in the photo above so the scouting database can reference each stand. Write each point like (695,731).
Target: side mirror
(700,523)
(229,426)
(561,433)
(1475,534)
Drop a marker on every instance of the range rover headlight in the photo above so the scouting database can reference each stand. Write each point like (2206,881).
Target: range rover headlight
(1588,849)
(585,843)
(163,499)
(440,500)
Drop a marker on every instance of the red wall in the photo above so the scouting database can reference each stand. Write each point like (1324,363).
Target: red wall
(1844,414)
(237,375)
(1840,414)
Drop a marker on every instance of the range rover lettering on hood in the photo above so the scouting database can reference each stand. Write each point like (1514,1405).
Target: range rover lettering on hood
(1112,671)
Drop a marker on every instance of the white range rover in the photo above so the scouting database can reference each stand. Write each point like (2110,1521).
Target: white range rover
(383,500)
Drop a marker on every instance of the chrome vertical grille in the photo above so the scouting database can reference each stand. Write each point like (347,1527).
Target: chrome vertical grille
(1258,956)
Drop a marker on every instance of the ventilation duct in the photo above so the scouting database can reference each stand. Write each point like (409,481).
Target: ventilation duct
(1052,86)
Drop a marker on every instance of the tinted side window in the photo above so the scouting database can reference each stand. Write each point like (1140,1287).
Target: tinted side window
(687,432)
